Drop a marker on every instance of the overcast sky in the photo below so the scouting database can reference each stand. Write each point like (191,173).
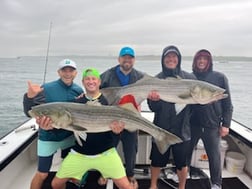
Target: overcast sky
(102,27)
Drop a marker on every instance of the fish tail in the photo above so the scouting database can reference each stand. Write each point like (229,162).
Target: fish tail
(110,94)
(166,140)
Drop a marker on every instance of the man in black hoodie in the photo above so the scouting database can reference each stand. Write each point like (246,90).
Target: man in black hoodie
(210,122)
(170,118)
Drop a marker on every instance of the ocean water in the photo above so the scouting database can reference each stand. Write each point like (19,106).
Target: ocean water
(15,72)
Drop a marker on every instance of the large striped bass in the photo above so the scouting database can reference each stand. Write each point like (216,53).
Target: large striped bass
(79,117)
(179,91)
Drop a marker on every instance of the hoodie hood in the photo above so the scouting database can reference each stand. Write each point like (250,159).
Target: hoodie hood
(171,72)
(209,67)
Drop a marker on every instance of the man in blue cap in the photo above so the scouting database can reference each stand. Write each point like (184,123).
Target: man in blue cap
(121,75)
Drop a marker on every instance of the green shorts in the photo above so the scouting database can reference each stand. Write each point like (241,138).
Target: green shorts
(108,163)
(48,148)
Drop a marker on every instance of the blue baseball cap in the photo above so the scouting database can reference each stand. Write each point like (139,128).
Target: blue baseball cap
(127,51)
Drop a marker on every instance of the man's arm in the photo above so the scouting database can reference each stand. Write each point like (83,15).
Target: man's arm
(33,97)
(227,110)
(227,107)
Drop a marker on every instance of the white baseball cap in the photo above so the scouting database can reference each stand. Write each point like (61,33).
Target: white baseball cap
(67,63)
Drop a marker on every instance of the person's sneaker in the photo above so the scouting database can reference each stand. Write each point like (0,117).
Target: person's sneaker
(215,186)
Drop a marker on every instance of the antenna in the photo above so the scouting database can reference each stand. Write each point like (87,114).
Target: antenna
(48,45)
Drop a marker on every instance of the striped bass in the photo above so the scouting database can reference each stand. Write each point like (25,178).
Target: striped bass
(79,117)
(179,91)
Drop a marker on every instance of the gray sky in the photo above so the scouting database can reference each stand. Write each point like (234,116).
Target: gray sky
(102,27)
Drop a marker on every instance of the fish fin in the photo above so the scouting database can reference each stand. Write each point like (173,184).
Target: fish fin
(144,78)
(77,137)
(185,96)
(77,128)
(129,106)
(162,148)
(179,108)
(165,140)
(174,78)
(82,135)
(171,78)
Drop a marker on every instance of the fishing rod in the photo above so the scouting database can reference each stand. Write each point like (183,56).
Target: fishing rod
(48,45)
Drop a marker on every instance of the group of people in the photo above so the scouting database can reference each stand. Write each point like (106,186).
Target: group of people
(209,122)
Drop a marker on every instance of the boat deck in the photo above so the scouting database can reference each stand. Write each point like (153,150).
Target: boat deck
(26,176)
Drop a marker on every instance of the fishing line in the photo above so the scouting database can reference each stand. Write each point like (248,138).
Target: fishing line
(48,45)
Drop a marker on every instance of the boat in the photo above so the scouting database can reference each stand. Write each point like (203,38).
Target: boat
(18,159)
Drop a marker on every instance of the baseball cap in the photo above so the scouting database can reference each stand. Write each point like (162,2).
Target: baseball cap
(67,63)
(127,51)
(171,50)
(91,72)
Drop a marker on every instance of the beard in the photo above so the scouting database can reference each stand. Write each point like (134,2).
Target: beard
(125,66)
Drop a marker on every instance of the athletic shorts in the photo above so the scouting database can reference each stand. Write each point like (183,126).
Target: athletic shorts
(179,151)
(44,164)
(108,163)
(48,148)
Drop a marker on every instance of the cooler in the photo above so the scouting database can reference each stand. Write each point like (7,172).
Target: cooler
(200,159)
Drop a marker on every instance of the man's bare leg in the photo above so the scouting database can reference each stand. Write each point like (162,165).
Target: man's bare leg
(37,180)
(182,176)
(155,172)
(59,183)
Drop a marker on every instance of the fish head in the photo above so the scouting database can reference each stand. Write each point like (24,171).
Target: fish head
(60,117)
(205,93)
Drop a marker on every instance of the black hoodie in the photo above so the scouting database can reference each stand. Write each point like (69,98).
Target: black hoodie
(165,112)
(218,113)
